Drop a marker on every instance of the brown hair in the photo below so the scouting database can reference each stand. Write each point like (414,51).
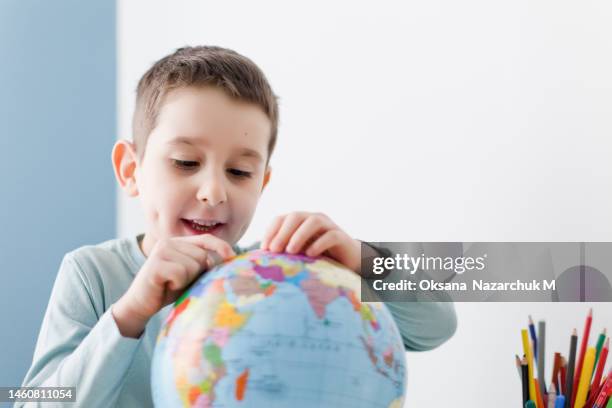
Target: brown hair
(235,74)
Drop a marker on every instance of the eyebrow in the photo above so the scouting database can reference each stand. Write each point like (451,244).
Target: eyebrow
(243,151)
(181,140)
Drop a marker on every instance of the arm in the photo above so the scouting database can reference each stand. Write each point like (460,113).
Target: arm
(423,325)
(76,346)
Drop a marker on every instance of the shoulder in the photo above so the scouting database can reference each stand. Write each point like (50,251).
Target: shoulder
(111,253)
(104,270)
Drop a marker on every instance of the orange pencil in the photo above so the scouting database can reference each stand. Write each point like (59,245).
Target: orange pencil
(539,400)
(583,348)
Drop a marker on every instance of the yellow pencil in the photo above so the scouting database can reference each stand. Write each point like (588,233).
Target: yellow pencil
(585,378)
(529,356)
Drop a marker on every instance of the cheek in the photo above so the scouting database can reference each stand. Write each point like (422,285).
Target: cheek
(243,213)
(245,202)
(162,194)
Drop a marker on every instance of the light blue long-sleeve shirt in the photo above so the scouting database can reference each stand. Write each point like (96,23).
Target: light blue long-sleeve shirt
(79,344)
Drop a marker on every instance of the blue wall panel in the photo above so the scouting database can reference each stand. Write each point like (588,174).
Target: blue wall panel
(57,129)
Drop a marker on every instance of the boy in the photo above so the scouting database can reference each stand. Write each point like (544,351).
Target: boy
(204,128)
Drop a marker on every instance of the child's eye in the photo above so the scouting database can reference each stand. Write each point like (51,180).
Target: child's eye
(239,173)
(185,164)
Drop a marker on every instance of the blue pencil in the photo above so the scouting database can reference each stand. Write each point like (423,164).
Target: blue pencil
(534,339)
(560,401)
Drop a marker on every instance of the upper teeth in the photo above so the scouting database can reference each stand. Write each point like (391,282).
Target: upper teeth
(205,223)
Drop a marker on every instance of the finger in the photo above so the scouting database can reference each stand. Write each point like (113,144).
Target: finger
(210,243)
(290,224)
(326,241)
(202,256)
(213,255)
(309,230)
(191,266)
(271,232)
(171,275)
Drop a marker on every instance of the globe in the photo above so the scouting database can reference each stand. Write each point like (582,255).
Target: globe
(278,330)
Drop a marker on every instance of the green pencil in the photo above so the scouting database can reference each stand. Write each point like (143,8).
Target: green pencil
(531,404)
(598,347)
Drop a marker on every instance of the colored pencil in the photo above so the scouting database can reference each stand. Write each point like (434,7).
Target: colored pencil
(530,404)
(555,373)
(598,347)
(596,385)
(517,361)
(569,382)
(541,356)
(534,338)
(560,402)
(525,380)
(585,378)
(552,395)
(528,355)
(539,400)
(562,374)
(593,394)
(601,398)
(583,348)
(600,342)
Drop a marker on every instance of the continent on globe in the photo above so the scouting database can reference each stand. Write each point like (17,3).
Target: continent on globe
(277,330)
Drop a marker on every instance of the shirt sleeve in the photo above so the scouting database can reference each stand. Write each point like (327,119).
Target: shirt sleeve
(241,250)
(423,324)
(77,347)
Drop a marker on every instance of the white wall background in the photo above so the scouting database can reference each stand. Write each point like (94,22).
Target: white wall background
(422,121)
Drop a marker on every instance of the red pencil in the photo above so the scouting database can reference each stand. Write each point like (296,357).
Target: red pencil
(583,347)
(602,363)
(596,386)
(594,393)
(606,391)
(562,374)
(556,366)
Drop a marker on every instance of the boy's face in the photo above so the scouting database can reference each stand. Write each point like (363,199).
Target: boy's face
(206,161)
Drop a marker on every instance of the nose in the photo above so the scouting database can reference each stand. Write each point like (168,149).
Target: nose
(212,189)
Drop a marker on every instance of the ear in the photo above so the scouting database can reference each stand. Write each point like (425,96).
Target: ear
(266,177)
(125,163)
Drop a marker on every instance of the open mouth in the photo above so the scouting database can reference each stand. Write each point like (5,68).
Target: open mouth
(202,227)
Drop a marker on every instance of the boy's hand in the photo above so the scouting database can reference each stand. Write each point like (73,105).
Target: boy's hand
(312,234)
(173,264)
